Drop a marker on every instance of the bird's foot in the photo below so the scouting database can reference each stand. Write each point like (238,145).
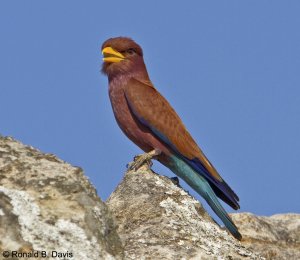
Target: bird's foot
(141,159)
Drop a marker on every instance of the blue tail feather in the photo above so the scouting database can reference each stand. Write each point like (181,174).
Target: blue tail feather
(220,211)
(202,186)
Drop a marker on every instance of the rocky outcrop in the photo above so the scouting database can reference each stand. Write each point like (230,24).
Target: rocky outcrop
(275,237)
(159,220)
(49,207)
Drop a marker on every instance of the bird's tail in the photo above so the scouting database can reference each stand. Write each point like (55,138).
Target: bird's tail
(201,186)
(214,203)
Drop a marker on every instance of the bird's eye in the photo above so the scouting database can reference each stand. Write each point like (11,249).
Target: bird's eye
(131,51)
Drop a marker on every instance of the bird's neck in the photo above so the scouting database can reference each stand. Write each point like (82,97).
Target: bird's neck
(124,77)
(137,70)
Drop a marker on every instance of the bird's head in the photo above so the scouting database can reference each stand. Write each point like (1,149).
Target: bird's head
(121,55)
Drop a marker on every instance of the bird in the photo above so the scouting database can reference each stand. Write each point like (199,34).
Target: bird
(150,122)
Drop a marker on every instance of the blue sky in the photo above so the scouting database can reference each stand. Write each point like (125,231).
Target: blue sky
(229,68)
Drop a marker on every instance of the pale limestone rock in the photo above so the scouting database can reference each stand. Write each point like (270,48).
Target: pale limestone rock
(49,205)
(276,237)
(158,220)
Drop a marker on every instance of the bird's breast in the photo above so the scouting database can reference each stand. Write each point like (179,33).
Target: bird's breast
(132,128)
(135,131)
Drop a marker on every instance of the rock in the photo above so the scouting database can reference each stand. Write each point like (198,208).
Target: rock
(158,220)
(275,237)
(49,205)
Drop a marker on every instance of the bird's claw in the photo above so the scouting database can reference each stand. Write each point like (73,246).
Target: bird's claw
(141,159)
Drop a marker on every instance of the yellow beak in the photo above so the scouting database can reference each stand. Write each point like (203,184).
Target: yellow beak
(110,55)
